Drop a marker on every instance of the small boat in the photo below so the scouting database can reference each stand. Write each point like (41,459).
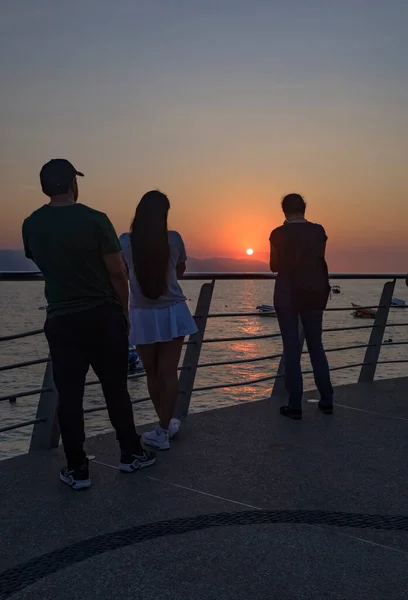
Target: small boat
(363,313)
(266,310)
(397,303)
(135,364)
(336,289)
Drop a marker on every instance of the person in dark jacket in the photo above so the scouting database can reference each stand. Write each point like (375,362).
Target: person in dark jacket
(297,254)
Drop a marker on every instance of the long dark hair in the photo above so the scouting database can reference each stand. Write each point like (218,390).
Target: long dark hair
(150,244)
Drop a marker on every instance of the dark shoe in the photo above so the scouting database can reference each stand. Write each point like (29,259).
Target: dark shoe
(135,462)
(291,413)
(326,409)
(76,477)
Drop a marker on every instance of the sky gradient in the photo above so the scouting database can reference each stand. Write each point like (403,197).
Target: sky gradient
(225,106)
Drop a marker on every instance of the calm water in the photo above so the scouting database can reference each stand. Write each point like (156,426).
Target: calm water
(19,310)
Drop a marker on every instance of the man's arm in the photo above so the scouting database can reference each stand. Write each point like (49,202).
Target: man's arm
(119,278)
(181,269)
(273,259)
(274,242)
(112,257)
(273,254)
(27,250)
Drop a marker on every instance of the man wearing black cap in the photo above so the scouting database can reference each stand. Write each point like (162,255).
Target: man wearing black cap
(77,250)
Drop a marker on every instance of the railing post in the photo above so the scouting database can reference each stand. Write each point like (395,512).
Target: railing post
(193,351)
(279,386)
(46,434)
(373,350)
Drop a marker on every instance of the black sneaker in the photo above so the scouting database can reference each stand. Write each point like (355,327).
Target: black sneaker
(291,413)
(134,462)
(326,409)
(76,477)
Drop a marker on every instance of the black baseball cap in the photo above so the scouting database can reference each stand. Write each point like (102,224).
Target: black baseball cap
(57,175)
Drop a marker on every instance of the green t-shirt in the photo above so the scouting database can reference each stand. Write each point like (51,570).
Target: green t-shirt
(67,243)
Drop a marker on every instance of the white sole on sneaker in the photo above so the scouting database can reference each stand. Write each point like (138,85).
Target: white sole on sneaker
(79,484)
(154,444)
(136,465)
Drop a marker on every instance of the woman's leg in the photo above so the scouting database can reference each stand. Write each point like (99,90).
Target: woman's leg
(149,355)
(312,321)
(288,320)
(168,357)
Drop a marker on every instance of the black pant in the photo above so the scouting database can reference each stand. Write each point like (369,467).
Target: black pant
(312,321)
(96,337)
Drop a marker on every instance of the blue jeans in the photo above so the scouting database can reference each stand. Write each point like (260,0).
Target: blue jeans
(312,321)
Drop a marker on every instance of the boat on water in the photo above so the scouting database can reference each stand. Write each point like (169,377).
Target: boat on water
(363,313)
(336,289)
(398,303)
(266,310)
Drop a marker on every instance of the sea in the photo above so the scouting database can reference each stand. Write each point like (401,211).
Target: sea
(22,309)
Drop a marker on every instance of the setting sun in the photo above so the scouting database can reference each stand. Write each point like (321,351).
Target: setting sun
(250,252)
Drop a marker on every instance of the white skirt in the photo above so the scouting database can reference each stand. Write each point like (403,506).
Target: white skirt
(152,325)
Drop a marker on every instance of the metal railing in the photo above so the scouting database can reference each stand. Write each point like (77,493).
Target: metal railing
(45,433)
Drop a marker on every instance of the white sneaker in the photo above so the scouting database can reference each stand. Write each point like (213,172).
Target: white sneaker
(174,427)
(158,438)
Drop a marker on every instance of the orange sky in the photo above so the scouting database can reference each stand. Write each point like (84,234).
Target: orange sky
(219,113)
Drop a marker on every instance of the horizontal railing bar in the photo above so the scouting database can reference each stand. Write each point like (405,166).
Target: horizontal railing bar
(352,328)
(24,394)
(229,315)
(274,335)
(21,276)
(260,314)
(17,336)
(396,325)
(394,344)
(343,348)
(266,275)
(22,424)
(37,276)
(241,338)
(390,362)
(235,384)
(239,361)
(353,308)
(274,356)
(27,363)
(262,379)
(340,368)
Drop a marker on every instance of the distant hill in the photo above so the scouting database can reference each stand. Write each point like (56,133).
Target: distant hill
(14,260)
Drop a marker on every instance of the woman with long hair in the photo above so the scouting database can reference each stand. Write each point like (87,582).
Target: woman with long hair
(159,316)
